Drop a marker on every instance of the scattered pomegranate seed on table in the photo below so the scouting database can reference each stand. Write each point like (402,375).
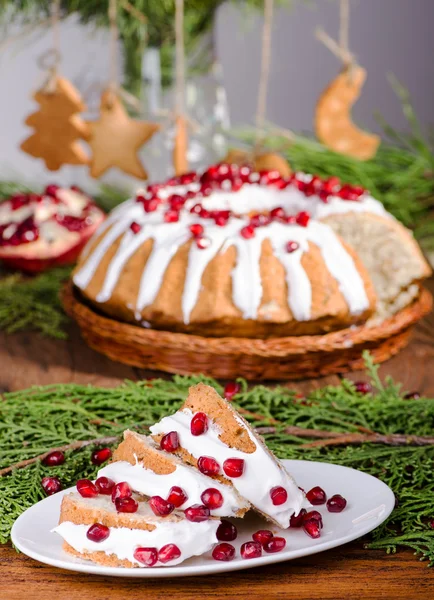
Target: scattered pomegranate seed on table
(226,531)
(54,458)
(168,552)
(276,544)
(86,488)
(177,496)
(199,424)
(121,490)
(197,513)
(100,456)
(316,495)
(232,388)
(212,498)
(208,465)
(97,532)
(363,387)
(251,550)
(233,467)
(104,485)
(223,552)
(278,495)
(126,505)
(297,520)
(170,442)
(146,556)
(160,506)
(51,485)
(262,536)
(336,503)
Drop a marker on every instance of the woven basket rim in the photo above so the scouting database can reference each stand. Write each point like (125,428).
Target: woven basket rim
(105,327)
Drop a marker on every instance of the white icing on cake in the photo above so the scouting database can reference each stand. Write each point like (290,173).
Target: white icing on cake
(262,470)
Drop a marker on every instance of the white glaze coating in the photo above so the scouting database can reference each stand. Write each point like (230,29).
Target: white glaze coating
(262,470)
(146,482)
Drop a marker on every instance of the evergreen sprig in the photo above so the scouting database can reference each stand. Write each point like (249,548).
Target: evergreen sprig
(36,420)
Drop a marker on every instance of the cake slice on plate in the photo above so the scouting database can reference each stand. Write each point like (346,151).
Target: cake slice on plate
(215,439)
(93,529)
(152,472)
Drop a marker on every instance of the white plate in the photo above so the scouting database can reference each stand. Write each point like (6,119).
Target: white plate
(370,502)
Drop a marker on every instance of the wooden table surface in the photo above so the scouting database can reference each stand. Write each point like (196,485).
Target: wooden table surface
(349,572)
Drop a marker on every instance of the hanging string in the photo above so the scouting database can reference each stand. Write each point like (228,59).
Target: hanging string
(179,58)
(49,61)
(341,49)
(344,25)
(265,69)
(114,36)
(55,18)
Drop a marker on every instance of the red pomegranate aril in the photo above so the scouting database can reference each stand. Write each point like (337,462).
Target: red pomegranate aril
(412,396)
(259,220)
(247,232)
(278,495)
(324,196)
(135,227)
(151,205)
(154,188)
(363,387)
(100,456)
(205,214)
(297,520)
(188,178)
(312,528)
(220,221)
(54,458)
(290,220)
(203,242)
(231,389)
(292,246)
(86,488)
(51,190)
(170,442)
(276,544)
(262,536)
(224,552)
(177,496)
(97,533)
(126,505)
(431,524)
(212,498)
(176,201)
(146,556)
(251,550)
(336,503)
(160,506)
(18,200)
(226,531)
(121,490)
(51,485)
(196,229)
(234,467)
(309,189)
(196,209)
(206,190)
(331,185)
(199,424)
(314,515)
(244,173)
(303,218)
(208,465)
(197,513)
(104,485)
(237,184)
(268,177)
(316,495)
(277,213)
(171,216)
(168,552)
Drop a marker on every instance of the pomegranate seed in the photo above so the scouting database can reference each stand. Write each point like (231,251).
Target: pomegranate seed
(276,544)
(231,389)
(177,496)
(223,552)
(268,177)
(431,524)
(76,188)
(297,520)
(196,229)
(18,200)
(300,185)
(104,485)
(160,506)
(262,536)
(86,488)
(188,178)
(146,556)
(51,485)
(412,396)
(208,465)
(324,196)
(168,552)
(140,198)
(97,532)
(226,531)
(314,515)
(197,513)
(291,220)
(206,190)
(51,190)
(278,495)
(203,242)
(151,205)
(244,174)
(277,213)
(336,503)
(170,442)
(196,209)
(126,505)
(303,218)
(316,496)
(233,467)
(251,550)
(154,188)
(247,232)
(237,184)
(100,456)
(54,458)
(292,246)
(176,202)
(312,528)
(220,221)
(121,490)
(309,189)
(135,227)
(212,498)
(363,387)
(199,424)
(171,216)
(259,220)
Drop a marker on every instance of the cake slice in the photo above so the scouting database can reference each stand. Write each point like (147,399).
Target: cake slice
(137,539)
(214,438)
(153,472)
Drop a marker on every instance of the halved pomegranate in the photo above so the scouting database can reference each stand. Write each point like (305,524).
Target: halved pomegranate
(38,232)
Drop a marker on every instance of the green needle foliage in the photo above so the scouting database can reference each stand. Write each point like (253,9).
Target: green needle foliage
(34,421)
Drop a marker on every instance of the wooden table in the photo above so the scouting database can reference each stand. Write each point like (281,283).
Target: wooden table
(348,572)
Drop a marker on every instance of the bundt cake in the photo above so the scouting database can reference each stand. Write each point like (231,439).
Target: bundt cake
(234,252)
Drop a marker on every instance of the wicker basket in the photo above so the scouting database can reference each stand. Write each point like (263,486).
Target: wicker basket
(277,358)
